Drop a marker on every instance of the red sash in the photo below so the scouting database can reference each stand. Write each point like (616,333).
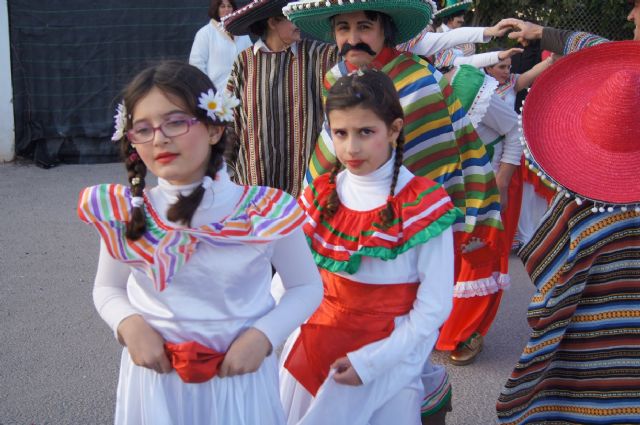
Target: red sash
(350,316)
(194,362)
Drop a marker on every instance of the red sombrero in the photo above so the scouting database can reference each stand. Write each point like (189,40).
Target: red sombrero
(581,123)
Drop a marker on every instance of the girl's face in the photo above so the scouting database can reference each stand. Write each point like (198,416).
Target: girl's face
(362,140)
(181,159)
(224,9)
(500,71)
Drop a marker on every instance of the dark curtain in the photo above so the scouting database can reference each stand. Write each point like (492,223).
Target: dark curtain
(70,59)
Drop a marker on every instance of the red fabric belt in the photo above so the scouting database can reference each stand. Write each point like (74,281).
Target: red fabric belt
(194,362)
(350,316)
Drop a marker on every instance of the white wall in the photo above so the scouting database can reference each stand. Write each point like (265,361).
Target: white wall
(7,134)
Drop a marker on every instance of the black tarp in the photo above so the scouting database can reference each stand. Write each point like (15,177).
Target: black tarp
(70,59)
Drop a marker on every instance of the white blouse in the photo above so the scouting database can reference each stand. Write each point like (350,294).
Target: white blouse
(430,264)
(213,52)
(220,291)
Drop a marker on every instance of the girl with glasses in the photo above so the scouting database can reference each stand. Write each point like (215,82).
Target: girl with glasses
(185,267)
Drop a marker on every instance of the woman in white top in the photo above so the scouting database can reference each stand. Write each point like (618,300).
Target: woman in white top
(214,50)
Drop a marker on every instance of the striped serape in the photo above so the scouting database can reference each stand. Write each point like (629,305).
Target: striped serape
(582,362)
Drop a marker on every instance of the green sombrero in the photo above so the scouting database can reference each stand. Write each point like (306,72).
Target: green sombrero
(453,6)
(313,16)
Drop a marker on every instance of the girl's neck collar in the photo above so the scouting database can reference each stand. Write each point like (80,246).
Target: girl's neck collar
(383,174)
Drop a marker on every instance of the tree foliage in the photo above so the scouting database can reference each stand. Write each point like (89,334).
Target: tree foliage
(603,17)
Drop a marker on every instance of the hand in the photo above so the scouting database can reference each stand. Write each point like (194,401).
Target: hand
(345,373)
(510,52)
(498,30)
(246,353)
(523,31)
(554,57)
(145,344)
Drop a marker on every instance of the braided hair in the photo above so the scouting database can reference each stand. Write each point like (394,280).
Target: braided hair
(372,90)
(184,82)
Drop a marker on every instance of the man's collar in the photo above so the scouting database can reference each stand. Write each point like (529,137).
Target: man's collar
(386,55)
(260,45)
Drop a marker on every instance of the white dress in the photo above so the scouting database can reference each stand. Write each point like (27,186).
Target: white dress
(213,52)
(223,289)
(390,368)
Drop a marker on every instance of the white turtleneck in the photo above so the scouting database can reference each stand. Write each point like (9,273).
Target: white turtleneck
(221,291)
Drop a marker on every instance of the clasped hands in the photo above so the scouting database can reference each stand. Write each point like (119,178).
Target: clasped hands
(146,348)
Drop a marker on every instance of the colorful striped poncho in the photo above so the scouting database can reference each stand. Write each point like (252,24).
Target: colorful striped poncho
(441,143)
(582,362)
(281,114)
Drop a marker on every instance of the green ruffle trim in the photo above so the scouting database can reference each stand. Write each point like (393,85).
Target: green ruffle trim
(353,264)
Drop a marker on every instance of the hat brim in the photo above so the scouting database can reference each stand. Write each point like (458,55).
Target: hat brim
(555,135)
(239,22)
(314,18)
(447,11)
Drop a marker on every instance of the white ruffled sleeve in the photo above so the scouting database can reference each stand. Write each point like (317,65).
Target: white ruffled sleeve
(294,263)
(110,290)
(430,309)
(432,42)
(504,120)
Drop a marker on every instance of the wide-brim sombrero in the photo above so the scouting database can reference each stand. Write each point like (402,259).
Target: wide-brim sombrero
(239,21)
(581,124)
(314,17)
(450,10)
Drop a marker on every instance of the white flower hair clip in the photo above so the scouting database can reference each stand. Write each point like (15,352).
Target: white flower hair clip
(120,122)
(219,106)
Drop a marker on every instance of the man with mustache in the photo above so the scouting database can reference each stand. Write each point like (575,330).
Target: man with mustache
(441,142)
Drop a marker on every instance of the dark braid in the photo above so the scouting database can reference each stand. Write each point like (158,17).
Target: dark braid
(387,215)
(136,173)
(183,83)
(184,209)
(331,206)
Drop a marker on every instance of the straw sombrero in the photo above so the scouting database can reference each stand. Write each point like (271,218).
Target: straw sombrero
(238,22)
(581,124)
(453,6)
(313,17)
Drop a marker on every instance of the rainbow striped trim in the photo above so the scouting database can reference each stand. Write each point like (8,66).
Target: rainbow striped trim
(423,211)
(262,215)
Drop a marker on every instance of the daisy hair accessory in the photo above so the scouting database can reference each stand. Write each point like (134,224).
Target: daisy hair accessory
(120,122)
(219,106)
(588,148)
(135,181)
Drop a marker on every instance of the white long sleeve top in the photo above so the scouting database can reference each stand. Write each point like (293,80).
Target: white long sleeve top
(433,42)
(213,52)
(221,290)
(501,120)
(430,264)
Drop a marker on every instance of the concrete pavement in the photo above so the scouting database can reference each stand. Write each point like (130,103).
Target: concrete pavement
(59,361)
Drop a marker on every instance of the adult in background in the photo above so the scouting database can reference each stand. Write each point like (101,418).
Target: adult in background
(214,50)
(580,364)
(279,84)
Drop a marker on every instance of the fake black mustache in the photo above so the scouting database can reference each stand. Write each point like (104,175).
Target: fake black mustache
(360,46)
